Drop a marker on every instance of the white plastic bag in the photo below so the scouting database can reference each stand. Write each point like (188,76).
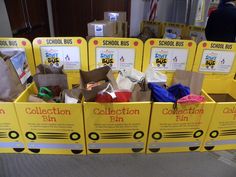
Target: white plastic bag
(128,78)
(155,76)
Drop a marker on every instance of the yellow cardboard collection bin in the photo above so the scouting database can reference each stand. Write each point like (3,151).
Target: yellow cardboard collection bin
(51,128)
(181,129)
(217,61)
(195,33)
(11,140)
(71,52)
(116,127)
(155,26)
(55,128)
(176,28)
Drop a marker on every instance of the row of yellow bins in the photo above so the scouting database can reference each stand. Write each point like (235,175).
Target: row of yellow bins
(134,127)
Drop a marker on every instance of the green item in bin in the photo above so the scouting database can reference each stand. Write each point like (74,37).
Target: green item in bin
(45,93)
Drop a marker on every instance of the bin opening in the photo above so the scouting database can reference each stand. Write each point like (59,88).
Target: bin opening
(222,97)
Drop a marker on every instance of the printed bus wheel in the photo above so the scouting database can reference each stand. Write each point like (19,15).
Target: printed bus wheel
(30,135)
(18,149)
(76,151)
(93,136)
(136,150)
(156,135)
(198,134)
(74,136)
(214,134)
(13,134)
(154,150)
(209,148)
(194,148)
(138,135)
(95,150)
(164,65)
(34,150)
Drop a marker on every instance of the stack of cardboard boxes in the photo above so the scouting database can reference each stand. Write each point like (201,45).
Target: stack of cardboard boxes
(113,25)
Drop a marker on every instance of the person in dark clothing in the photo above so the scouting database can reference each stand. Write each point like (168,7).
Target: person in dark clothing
(221,25)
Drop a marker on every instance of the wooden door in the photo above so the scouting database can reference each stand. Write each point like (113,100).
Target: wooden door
(28,18)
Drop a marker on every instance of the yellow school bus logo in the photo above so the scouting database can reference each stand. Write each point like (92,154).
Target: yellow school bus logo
(210,60)
(161,58)
(52,58)
(107,58)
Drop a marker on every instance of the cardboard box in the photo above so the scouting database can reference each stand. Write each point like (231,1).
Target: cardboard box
(51,128)
(217,61)
(115,16)
(122,29)
(102,28)
(116,128)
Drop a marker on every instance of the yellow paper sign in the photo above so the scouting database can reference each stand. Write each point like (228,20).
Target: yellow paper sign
(174,28)
(169,55)
(116,128)
(14,45)
(71,52)
(118,53)
(51,128)
(155,27)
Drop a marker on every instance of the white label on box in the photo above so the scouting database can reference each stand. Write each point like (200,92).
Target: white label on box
(69,57)
(19,61)
(98,30)
(217,61)
(113,16)
(116,58)
(168,59)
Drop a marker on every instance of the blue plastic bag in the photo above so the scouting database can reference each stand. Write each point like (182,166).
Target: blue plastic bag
(179,91)
(160,94)
(172,94)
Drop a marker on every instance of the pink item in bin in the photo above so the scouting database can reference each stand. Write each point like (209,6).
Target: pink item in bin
(191,99)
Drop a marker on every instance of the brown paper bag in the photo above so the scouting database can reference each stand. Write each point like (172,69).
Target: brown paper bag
(10,86)
(48,76)
(101,74)
(73,93)
(140,94)
(193,80)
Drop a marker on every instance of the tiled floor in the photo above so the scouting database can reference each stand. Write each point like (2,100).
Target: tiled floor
(161,165)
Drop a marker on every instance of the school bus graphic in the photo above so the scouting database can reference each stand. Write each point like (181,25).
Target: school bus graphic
(210,61)
(107,58)
(161,58)
(52,58)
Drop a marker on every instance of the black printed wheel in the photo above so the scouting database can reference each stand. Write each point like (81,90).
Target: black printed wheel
(95,151)
(157,136)
(36,151)
(93,136)
(194,148)
(75,136)
(138,135)
(137,150)
(30,135)
(76,151)
(154,150)
(209,148)
(214,134)
(13,134)
(198,134)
